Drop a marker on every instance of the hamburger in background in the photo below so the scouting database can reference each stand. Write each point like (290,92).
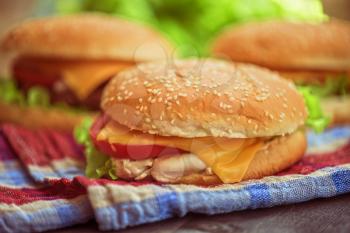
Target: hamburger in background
(315,56)
(195,122)
(66,61)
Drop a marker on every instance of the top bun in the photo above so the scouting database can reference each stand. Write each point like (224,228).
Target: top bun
(288,45)
(198,98)
(86,36)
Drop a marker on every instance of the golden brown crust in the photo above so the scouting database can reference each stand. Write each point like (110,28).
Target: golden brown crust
(88,36)
(275,44)
(37,117)
(337,108)
(196,98)
(275,156)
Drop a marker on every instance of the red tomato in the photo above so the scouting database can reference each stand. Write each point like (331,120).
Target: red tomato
(33,77)
(121,151)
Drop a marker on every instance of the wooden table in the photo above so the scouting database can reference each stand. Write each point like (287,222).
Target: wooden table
(322,215)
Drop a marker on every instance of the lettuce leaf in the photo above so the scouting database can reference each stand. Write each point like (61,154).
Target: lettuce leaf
(36,97)
(97,164)
(333,86)
(191,24)
(9,93)
(316,118)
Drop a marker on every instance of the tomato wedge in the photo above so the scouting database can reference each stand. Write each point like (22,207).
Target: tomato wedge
(121,151)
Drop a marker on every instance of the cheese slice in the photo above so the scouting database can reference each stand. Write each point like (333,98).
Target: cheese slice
(83,76)
(229,158)
(84,79)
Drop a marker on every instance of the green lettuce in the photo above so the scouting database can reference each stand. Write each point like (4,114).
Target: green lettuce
(36,97)
(9,93)
(313,95)
(97,164)
(332,86)
(191,24)
(316,118)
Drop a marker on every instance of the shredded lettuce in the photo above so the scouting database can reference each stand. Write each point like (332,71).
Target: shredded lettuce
(97,164)
(316,118)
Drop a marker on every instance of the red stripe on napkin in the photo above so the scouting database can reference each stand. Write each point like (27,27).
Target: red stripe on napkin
(57,189)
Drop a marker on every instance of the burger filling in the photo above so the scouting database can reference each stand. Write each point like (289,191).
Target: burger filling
(323,84)
(319,89)
(133,157)
(77,83)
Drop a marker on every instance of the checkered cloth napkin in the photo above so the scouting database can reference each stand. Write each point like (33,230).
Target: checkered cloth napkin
(42,185)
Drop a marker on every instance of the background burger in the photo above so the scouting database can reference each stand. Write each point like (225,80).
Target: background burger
(312,55)
(67,61)
(195,122)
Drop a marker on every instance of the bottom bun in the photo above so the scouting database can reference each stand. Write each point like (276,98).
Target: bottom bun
(275,156)
(337,108)
(38,117)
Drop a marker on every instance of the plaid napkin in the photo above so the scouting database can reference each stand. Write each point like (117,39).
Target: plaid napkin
(42,185)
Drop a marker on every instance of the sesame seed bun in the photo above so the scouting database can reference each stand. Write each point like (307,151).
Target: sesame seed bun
(88,36)
(197,98)
(40,117)
(275,156)
(288,45)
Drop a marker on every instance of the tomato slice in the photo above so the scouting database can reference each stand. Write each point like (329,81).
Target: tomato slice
(28,74)
(122,151)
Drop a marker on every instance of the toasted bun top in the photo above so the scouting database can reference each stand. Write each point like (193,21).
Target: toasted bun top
(197,98)
(91,36)
(288,45)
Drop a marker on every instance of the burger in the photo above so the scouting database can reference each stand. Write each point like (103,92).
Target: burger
(195,121)
(59,65)
(315,56)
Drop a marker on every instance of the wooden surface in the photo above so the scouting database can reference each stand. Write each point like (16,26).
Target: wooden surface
(322,215)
